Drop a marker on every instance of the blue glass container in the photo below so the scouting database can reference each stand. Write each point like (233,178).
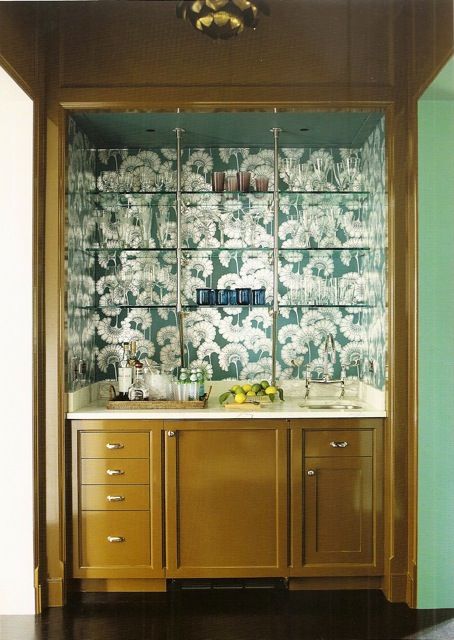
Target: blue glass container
(258,296)
(205,296)
(233,298)
(222,296)
(243,295)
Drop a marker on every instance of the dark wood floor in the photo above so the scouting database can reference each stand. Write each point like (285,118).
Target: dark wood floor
(232,615)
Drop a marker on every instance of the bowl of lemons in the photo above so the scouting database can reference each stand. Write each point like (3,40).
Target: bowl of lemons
(251,392)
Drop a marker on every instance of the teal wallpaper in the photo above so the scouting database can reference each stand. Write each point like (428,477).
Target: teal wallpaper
(331,263)
(81,320)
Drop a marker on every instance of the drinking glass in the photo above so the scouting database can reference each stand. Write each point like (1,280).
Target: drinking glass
(244,180)
(217,181)
(261,183)
(231,183)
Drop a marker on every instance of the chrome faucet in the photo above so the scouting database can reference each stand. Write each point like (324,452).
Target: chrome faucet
(329,355)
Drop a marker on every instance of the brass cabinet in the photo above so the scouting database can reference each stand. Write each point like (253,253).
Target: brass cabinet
(238,498)
(337,505)
(117,523)
(226,499)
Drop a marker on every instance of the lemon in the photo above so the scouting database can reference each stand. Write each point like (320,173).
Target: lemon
(240,398)
(256,388)
(246,387)
(251,393)
(270,391)
(264,384)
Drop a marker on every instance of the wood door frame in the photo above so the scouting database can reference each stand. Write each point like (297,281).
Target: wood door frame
(35,92)
(396,480)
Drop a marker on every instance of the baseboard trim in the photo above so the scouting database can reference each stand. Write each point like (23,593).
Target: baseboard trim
(339,583)
(395,587)
(118,585)
(55,592)
(411,591)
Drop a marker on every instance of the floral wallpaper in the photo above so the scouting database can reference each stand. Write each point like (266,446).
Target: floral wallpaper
(331,260)
(81,319)
(375,317)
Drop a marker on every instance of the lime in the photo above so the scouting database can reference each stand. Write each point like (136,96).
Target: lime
(261,392)
(237,389)
(256,388)
(240,398)
(264,384)
(270,391)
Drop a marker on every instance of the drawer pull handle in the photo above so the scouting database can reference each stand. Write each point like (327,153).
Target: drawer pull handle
(171,434)
(339,444)
(115,498)
(311,472)
(115,472)
(115,539)
(115,445)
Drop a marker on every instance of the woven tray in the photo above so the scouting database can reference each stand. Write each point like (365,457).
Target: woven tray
(128,405)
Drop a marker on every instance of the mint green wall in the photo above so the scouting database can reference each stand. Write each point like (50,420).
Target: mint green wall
(436,347)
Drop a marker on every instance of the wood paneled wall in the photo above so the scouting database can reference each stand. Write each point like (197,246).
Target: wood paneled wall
(431,40)
(20,45)
(310,43)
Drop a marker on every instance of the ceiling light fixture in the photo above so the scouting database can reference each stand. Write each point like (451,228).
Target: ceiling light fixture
(221,19)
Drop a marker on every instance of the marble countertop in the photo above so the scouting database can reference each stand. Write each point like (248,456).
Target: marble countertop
(290,408)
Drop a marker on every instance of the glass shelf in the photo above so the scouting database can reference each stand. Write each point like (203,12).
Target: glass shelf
(129,249)
(329,193)
(231,194)
(131,306)
(217,250)
(345,248)
(282,192)
(191,307)
(324,306)
(132,193)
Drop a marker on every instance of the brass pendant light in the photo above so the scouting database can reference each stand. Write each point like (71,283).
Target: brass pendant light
(221,19)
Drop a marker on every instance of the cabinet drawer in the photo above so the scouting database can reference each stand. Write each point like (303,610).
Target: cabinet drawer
(336,442)
(114,445)
(99,497)
(96,471)
(109,539)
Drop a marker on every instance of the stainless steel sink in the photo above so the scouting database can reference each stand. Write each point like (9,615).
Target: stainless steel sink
(348,406)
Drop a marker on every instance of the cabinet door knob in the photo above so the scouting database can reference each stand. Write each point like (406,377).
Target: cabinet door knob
(171,434)
(339,444)
(311,472)
(115,445)
(115,472)
(115,498)
(115,539)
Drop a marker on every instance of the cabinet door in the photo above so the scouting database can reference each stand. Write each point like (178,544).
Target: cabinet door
(336,500)
(226,502)
(338,512)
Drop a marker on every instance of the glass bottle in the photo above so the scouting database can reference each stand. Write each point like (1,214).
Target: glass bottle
(201,381)
(193,385)
(138,390)
(133,359)
(124,374)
